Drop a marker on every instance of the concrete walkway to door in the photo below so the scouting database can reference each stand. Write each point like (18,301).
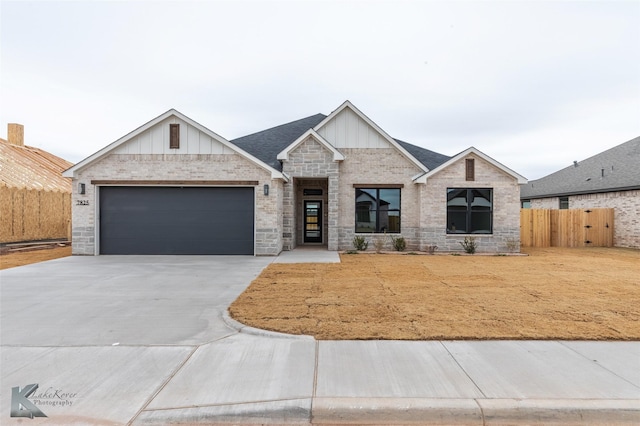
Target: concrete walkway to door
(143,340)
(308,254)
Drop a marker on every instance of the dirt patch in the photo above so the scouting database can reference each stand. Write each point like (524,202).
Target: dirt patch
(574,294)
(13,259)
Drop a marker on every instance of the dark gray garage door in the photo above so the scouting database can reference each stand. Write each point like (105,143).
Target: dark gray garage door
(168,220)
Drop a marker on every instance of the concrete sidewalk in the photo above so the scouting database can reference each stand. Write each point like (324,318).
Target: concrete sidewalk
(145,340)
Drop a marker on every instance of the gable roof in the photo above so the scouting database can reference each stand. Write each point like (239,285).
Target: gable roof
(267,144)
(423,178)
(172,112)
(615,169)
(389,139)
(32,168)
(337,155)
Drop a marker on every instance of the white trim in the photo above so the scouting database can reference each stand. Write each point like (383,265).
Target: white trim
(284,154)
(97,221)
(389,139)
(275,174)
(423,178)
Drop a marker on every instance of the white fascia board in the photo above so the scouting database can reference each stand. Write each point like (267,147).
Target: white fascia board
(416,178)
(95,156)
(387,137)
(275,174)
(423,178)
(284,154)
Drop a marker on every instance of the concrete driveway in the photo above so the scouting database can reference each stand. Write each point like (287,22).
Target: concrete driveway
(143,340)
(129,300)
(101,336)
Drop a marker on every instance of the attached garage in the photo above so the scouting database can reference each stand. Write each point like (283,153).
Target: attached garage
(172,186)
(176,220)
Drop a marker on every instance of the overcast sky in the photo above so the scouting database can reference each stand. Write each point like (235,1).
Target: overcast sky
(533,84)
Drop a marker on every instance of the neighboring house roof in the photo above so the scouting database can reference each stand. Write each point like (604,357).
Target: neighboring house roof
(423,179)
(275,173)
(616,169)
(32,168)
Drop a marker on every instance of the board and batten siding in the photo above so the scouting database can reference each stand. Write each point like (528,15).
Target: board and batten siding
(348,130)
(156,141)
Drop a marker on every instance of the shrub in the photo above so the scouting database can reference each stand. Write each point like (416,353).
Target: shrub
(378,244)
(360,243)
(398,243)
(431,249)
(469,245)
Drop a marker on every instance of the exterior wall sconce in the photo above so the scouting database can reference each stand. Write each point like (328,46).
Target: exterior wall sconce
(81,188)
(266,189)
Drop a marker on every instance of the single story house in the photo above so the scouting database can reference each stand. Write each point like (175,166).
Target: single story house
(172,186)
(610,179)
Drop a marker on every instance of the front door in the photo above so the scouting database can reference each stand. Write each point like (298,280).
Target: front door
(313,221)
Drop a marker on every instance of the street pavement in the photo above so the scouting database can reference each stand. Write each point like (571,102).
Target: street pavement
(146,340)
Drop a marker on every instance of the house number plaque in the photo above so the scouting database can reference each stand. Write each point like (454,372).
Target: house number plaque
(82,202)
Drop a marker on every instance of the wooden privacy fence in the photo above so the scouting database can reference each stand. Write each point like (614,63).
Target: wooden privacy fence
(29,215)
(566,228)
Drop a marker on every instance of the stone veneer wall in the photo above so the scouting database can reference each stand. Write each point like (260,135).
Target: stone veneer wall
(626,205)
(506,207)
(268,235)
(310,160)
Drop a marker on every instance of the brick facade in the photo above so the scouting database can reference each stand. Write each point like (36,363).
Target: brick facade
(378,166)
(423,206)
(626,205)
(360,154)
(191,167)
(506,207)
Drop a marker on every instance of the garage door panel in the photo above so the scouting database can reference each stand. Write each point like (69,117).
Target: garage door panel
(163,220)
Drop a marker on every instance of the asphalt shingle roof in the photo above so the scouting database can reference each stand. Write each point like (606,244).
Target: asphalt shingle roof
(429,158)
(267,144)
(616,169)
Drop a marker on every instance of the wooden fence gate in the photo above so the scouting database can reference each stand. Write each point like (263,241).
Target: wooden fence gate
(566,228)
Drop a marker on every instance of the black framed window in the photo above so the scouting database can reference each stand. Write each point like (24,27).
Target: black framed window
(564,203)
(378,210)
(469,211)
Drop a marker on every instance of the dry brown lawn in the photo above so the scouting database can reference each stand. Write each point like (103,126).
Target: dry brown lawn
(575,294)
(11,260)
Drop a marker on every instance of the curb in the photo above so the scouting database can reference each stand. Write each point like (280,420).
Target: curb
(439,411)
(241,328)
